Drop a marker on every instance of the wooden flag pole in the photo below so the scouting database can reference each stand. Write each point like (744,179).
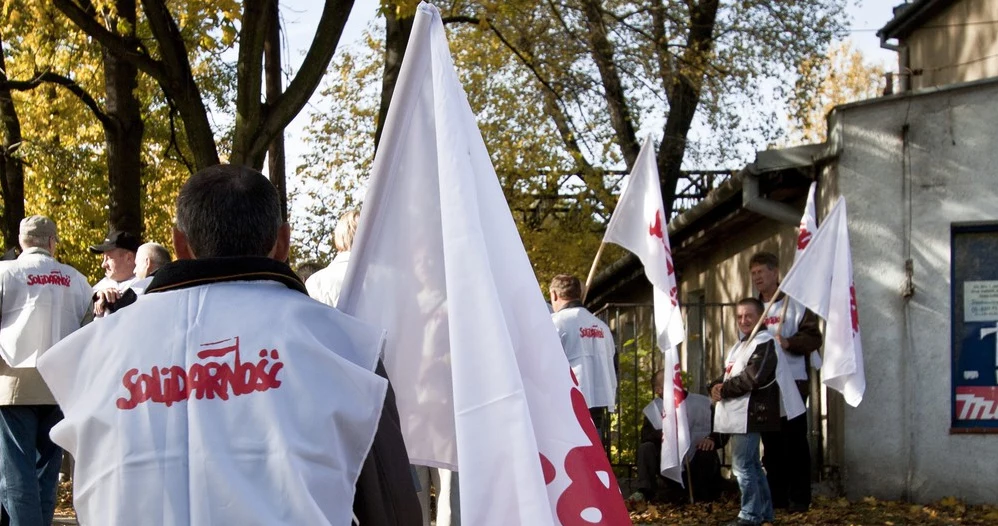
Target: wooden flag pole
(592,272)
(783,317)
(765,311)
(689,476)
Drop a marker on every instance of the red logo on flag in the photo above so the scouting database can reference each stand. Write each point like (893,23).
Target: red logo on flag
(583,465)
(167,385)
(803,238)
(655,230)
(678,394)
(853,309)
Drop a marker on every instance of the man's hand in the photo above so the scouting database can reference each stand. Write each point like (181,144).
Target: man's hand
(784,343)
(715,393)
(707,444)
(103,298)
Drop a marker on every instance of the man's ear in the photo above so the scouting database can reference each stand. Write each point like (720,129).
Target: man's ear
(180,245)
(282,248)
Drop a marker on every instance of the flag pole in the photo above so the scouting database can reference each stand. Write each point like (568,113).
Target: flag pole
(783,317)
(763,317)
(592,271)
(689,477)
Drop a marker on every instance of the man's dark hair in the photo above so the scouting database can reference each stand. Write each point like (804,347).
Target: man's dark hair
(753,302)
(764,258)
(227,210)
(306,269)
(567,286)
(654,379)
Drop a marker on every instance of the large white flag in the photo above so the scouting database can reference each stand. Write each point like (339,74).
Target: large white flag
(482,383)
(808,226)
(821,280)
(639,225)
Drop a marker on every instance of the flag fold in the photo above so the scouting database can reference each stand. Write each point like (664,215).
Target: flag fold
(821,280)
(639,225)
(482,383)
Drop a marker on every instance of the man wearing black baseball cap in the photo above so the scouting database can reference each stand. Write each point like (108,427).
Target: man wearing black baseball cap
(118,250)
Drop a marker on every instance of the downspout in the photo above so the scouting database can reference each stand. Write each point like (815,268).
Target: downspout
(752,200)
(904,68)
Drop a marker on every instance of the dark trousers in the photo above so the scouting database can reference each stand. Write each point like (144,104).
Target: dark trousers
(602,422)
(787,458)
(704,475)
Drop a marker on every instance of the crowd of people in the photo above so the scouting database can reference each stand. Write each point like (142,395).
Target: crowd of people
(747,405)
(101,372)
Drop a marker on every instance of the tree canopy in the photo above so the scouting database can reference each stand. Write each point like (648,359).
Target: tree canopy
(565,89)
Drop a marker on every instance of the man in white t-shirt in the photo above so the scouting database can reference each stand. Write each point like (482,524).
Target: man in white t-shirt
(42,302)
(589,347)
(118,259)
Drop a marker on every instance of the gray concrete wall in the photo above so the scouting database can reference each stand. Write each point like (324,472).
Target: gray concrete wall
(897,443)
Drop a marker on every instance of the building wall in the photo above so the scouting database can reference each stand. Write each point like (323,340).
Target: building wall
(937,60)
(942,170)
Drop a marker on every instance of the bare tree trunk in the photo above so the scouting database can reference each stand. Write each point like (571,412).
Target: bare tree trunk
(12,175)
(123,132)
(276,162)
(397,31)
(613,88)
(684,97)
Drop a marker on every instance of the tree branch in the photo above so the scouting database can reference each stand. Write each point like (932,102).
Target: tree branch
(178,83)
(304,84)
(68,83)
(249,73)
(85,20)
(613,88)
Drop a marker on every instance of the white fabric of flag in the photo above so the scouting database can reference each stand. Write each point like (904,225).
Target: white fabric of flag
(482,383)
(821,280)
(639,225)
(808,226)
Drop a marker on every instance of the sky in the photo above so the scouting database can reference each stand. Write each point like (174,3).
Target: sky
(301,17)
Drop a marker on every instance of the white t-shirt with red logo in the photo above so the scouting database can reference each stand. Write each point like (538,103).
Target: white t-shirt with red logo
(243,403)
(589,347)
(42,301)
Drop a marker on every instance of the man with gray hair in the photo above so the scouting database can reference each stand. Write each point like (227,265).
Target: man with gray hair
(148,259)
(42,302)
(325,284)
(227,394)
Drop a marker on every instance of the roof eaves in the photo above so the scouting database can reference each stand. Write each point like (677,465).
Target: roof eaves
(911,17)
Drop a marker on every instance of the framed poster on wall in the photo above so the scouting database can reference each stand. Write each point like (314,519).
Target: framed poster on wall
(974,288)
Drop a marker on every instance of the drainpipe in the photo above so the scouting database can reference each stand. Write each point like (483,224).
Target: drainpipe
(753,200)
(904,68)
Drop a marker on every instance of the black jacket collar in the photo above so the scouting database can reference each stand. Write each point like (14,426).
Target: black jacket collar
(186,273)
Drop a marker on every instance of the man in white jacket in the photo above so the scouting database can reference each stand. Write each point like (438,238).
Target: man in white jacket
(589,347)
(42,302)
(224,395)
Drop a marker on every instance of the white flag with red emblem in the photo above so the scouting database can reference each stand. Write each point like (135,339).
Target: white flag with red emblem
(808,223)
(638,224)
(482,382)
(821,280)
(808,226)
